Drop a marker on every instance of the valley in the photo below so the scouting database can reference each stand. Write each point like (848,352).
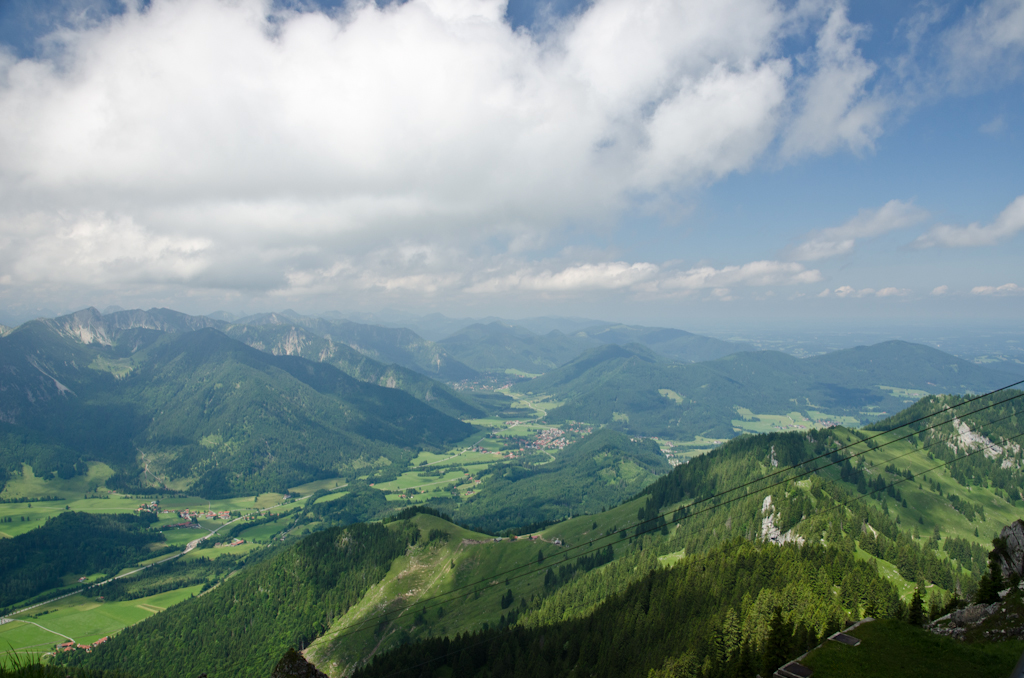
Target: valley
(502,500)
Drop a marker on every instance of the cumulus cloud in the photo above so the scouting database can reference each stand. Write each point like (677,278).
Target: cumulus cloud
(1009,288)
(940,290)
(832,242)
(848,291)
(242,147)
(892,292)
(1009,222)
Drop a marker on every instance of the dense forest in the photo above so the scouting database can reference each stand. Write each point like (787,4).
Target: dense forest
(634,389)
(235,419)
(72,543)
(243,626)
(741,608)
(600,471)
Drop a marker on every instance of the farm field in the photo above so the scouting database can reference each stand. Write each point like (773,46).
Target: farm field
(81,619)
(750,422)
(81,494)
(326,484)
(213,552)
(267,531)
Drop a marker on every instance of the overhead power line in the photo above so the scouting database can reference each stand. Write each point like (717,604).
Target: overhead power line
(469,588)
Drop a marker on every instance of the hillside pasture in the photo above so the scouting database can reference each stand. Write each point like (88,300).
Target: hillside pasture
(82,619)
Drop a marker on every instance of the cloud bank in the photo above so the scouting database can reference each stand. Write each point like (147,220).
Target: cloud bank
(194,141)
(228,147)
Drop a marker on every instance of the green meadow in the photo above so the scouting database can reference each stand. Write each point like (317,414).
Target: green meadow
(81,619)
(894,648)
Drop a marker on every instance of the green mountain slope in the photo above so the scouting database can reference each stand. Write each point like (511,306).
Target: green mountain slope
(242,627)
(628,388)
(386,344)
(865,546)
(676,345)
(197,406)
(601,470)
(497,347)
(296,340)
(71,543)
(241,416)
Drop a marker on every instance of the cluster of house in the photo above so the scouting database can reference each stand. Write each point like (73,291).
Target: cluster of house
(234,542)
(548,438)
(152,507)
(72,645)
(524,536)
(188,514)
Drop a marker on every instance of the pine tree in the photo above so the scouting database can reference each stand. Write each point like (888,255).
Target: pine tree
(916,616)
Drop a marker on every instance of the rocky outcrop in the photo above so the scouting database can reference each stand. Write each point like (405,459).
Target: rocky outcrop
(1012,557)
(956,623)
(294,665)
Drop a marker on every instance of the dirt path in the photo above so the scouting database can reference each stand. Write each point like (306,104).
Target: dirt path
(48,630)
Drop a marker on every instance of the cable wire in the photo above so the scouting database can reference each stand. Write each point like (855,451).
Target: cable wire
(456,593)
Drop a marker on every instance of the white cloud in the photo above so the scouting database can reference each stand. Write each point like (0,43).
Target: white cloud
(1009,222)
(753,274)
(240,148)
(940,290)
(1009,288)
(604,276)
(836,107)
(648,278)
(986,44)
(832,242)
(848,291)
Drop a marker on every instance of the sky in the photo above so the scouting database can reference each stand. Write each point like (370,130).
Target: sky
(680,163)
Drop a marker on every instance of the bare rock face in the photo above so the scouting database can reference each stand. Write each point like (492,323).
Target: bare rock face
(294,665)
(1012,560)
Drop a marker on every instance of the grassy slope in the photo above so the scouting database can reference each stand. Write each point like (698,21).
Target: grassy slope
(426,572)
(85,620)
(600,470)
(893,648)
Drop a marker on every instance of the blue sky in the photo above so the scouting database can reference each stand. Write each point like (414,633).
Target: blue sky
(677,163)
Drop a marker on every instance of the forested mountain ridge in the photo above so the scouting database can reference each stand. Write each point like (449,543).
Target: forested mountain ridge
(242,627)
(499,346)
(299,340)
(627,388)
(874,522)
(265,416)
(203,408)
(386,344)
(603,469)
(677,345)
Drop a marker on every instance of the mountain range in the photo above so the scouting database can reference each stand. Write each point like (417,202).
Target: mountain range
(633,388)
(161,395)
